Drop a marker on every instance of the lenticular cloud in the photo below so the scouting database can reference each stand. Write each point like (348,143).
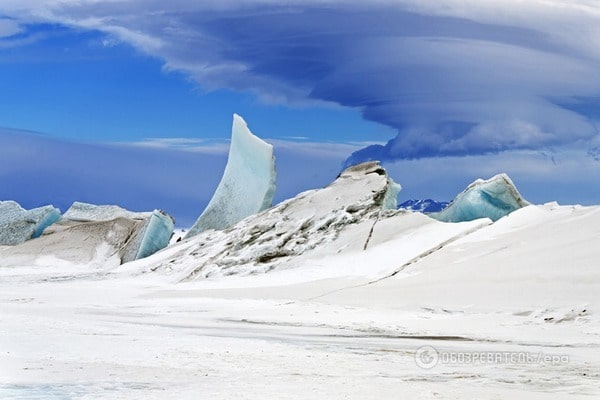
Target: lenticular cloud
(453,78)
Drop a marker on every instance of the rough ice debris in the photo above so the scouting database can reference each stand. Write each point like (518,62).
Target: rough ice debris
(493,198)
(151,231)
(18,225)
(247,185)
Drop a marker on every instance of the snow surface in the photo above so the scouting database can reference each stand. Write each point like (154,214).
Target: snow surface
(493,198)
(90,212)
(18,225)
(76,333)
(348,317)
(247,185)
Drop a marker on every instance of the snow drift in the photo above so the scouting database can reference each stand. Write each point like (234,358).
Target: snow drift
(247,185)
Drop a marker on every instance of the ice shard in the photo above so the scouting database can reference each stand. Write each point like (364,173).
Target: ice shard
(493,198)
(18,225)
(248,183)
(157,233)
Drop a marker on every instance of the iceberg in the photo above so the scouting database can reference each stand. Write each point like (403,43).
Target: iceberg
(18,225)
(493,198)
(248,183)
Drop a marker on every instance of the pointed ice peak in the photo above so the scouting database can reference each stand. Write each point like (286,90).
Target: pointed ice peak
(248,183)
(493,198)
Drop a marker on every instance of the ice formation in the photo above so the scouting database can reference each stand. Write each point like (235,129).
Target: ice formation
(18,225)
(247,185)
(152,232)
(98,235)
(354,202)
(157,233)
(493,198)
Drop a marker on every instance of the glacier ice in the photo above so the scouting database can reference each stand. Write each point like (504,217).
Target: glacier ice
(101,236)
(493,198)
(18,225)
(157,233)
(151,233)
(247,185)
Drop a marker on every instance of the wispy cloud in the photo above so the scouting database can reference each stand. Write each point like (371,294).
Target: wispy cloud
(206,146)
(8,27)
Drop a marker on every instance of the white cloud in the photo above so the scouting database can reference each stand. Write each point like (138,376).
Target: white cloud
(418,66)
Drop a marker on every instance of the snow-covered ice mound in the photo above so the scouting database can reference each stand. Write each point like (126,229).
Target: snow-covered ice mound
(263,241)
(99,235)
(493,198)
(247,185)
(18,225)
(354,212)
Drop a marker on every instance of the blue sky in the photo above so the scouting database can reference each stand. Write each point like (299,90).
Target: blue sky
(441,91)
(85,85)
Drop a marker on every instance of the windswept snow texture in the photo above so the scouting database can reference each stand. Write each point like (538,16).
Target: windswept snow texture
(493,198)
(248,183)
(18,225)
(424,206)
